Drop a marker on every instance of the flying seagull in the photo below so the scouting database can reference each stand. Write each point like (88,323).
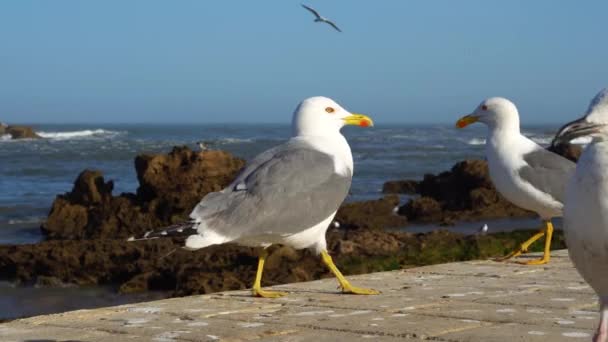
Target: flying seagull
(287,195)
(522,171)
(586,207)
(321,19)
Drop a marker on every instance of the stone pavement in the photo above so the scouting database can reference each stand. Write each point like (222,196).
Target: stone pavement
(465,301)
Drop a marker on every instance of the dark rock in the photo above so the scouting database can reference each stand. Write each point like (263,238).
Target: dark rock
(21,132)
(376,214)
(465,192)
(423,209)
(170,186)
(400,187)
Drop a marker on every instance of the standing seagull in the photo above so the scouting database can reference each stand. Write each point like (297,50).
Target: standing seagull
(321,19)
(287,195)
(522,171)
(586,207)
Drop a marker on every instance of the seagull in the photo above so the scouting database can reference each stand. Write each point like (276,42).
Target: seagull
(522,171)
(203,145)
(586,207)
(321,19)
(483,230)
(286,195)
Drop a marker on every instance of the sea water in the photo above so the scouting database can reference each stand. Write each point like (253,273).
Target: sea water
(33,172)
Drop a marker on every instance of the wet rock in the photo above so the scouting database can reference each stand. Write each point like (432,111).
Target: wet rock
(423,209)
(409,187)
(162,264)
(21,132)
(376,214)
(465,192)
(170,186)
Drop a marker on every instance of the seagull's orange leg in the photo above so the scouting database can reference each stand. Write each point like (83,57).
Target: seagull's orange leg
(344,284)
(257,284)
(523,248)
(547,253)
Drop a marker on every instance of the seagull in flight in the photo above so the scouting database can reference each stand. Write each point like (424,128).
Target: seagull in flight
(320,19)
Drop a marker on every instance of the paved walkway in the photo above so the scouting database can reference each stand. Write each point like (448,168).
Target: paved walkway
(466,301)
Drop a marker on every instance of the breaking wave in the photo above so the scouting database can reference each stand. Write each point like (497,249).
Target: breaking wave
(87,133)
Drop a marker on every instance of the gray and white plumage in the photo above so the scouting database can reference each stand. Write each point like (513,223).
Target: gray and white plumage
(522,171)
(321,19)
(547,171)
(279,194)
(586,204)
(288,194)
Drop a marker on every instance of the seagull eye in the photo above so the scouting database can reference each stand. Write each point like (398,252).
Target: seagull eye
(484,107)
(330,110)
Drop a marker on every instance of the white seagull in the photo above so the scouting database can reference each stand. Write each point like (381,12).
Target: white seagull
(321,19)
(287,195)
(483,230)
(522,171)
(586,207)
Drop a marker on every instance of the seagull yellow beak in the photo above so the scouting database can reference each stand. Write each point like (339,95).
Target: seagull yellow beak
(466,120)
(358,120)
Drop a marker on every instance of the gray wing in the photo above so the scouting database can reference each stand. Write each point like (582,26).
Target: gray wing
(284,191)
(548,172)
(333,25)
(312,10)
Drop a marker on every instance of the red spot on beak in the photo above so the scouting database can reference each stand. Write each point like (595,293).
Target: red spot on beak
(363,123)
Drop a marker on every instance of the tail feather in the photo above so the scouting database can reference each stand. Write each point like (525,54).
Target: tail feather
(179,229)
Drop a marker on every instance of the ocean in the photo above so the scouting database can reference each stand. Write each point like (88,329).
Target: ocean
(33,172)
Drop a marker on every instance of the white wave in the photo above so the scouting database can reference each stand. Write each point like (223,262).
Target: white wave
(99,133)
(5,137)
(542,140)
(31,219)
(476,141)
(233,141)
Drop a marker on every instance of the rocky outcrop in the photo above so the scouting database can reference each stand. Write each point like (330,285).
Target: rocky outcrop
(170,186)
(400,187)
(162,264)
(375,214)
(463,193)
(19,132)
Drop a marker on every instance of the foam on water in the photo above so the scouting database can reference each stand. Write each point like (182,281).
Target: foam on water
(233,141)
(541,140)
(99,133)
(477,141)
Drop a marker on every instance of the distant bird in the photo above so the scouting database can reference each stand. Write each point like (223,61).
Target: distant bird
(483,230)
(525,173)
(321,19)
(286,195)
(203,145)
(586,207)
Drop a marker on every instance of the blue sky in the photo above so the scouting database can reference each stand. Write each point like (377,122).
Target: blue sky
(252,61)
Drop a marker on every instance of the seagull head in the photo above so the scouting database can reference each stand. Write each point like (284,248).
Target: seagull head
(318,116)
(594,122)
(495,112)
